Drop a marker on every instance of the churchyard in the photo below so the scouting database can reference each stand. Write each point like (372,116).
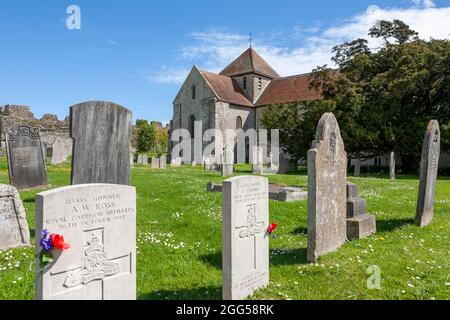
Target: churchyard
(179,240)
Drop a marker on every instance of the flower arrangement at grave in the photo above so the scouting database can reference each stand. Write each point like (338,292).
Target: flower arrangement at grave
(271,229)
(49,244)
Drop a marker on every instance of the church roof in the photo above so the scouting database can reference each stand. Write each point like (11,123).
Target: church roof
(250,62)
(289,89)
(226,89)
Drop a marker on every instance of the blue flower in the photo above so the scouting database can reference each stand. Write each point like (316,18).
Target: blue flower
(46,241)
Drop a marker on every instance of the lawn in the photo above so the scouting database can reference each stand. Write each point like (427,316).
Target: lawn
(179,241)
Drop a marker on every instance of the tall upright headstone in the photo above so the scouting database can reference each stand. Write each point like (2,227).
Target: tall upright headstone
(429,165)
(163,162)
(327,174)
(145,159)
(25,158)
(245,242)
(99,222)
(155,163)
(14,230)
(58,155)
(392,165)
(228,162)
(357,171)
(101,152)
(257,159)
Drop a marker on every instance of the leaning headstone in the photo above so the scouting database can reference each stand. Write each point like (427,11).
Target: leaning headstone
(155,163)
(25,158)
(14,230)
(360,225)
(101,149)
(428,174)
(228,162)
(58,155)
(245,242)
(258,160)
(392,165)
(99,223)
(163,162)
(327,174)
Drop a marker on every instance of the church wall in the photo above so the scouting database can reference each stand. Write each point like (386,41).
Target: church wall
(202,107)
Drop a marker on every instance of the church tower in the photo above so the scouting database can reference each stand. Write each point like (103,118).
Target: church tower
(252,73)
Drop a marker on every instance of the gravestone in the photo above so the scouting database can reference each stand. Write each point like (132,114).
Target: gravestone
(392,165)
(286,165)
(360,225)
(245,242)
(131,158)
(99,222)
(140,159)
(58,155)
(357,172)
(145,159)
(155,163)
(14,230)
(25,158)
(101,148)
(228,162)
(175,163)
(163,162)
(258,160)
(327,173)
(428,174)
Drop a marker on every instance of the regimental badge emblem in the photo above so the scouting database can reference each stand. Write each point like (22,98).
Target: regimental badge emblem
(252,227)
(95,266)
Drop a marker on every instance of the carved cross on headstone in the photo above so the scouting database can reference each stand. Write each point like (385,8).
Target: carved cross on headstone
(252,228)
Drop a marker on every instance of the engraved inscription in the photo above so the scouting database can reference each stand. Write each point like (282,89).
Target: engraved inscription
(26,157)
(253,227)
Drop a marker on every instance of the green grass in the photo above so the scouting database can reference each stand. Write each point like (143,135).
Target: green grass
(179,242)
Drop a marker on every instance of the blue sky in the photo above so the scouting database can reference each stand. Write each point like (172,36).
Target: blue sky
(137,53)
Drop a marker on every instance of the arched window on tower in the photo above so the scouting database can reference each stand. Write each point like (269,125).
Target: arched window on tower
(238,123)
(191,126)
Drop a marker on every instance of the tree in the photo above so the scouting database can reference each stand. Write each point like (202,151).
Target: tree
(383,100)
(146,136)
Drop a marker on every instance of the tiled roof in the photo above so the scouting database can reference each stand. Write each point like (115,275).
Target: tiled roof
(226,89)
(250,62)
(289,89)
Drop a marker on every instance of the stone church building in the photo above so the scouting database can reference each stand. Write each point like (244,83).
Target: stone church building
(236,97)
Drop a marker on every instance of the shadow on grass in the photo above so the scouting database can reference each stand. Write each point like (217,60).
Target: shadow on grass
(278,257)
(301,230)
(202,293)
(30,199)
(392,224)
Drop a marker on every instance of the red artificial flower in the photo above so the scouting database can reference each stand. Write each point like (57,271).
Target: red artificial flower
(58,242)
(272,228)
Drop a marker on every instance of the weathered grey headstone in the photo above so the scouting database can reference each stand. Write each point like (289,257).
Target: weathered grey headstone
(99,222)
(131,158)
(25,159)
(360,225)
(428,174)
(245,242)
(228,162)
(101,132)
(285,164)
(258,160)
(140,159)
(357,172)
(155,163)
(327,174)
(392,165)
(163,162)
(175,163)
(14,230)
(58,155)
(145,159)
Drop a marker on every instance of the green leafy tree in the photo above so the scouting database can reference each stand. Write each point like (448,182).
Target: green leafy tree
(146,136)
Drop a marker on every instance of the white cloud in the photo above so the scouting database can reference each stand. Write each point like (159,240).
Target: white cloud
(215,49)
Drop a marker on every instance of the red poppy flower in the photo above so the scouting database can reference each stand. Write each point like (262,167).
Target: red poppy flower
(272,228)
(58,242)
